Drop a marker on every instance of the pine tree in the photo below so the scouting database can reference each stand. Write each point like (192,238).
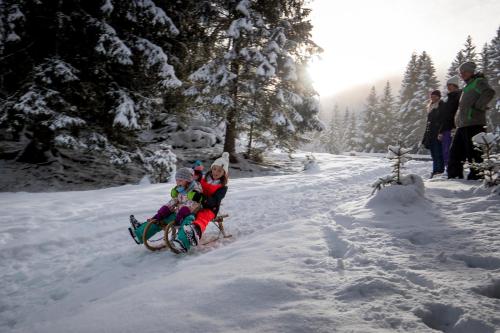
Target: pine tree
(467,53)
(412,115)
(343,132)
(494,79)
(98,76)
(331,137)
(469,50)
(387,131)
(427,80)
(261,79)
(406,95)
(453,70)
(370,119)
(351,133)
(485,63)
(410,79)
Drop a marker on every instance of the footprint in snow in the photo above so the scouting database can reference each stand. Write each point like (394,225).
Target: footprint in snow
(491,290)
(448,318)
(338,248)
(489,263)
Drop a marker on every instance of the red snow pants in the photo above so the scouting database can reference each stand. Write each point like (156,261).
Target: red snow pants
(203,218)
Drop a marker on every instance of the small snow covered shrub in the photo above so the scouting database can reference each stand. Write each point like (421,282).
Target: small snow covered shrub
(118,157)
(489,169)
(398,156)
(310,164)
(161,164)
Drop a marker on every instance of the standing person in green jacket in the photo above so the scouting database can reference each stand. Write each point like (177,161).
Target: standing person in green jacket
(470,120)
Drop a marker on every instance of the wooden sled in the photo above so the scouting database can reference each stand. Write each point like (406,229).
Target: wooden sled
(169,232)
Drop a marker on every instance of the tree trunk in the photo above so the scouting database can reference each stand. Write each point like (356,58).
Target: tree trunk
(230,140)
(231,117)
(250,139)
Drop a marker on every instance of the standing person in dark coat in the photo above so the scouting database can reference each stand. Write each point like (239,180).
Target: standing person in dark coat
(469,120)
(434,123)
(449,110)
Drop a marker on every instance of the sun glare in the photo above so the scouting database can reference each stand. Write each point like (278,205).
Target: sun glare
(329,78)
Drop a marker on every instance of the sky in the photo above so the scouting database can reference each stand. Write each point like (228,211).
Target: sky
(368,41)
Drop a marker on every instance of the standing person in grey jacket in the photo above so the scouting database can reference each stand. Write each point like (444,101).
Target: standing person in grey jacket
(470,120)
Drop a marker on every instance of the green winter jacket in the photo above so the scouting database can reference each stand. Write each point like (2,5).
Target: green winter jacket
(474,102)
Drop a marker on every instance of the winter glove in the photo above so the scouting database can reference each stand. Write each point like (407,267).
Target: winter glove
(174,193)
(195,196)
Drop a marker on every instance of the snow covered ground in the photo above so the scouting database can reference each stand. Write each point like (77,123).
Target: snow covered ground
(311,252)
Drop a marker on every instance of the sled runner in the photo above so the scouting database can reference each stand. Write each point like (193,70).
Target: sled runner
(167,233)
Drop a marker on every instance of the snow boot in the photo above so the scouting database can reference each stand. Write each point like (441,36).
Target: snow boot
(177,246)
(133,221)
(134,237)
(187,236)
(138,232)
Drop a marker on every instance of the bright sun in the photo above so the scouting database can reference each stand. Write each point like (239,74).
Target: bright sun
(329,78)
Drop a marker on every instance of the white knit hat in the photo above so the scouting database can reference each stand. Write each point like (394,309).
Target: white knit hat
(454,80)
(222,161)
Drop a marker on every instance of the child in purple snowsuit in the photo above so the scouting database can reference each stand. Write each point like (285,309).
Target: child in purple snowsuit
(186,196)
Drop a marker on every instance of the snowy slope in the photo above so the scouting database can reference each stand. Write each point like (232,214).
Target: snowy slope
(311,252)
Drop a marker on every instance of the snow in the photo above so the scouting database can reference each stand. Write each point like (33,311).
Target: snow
(222,100)
(125,111)
(213,74)
(107,7)
(292,70)
(485,138)
(64,121)
(12,37)
(155,57)
(238,25)
(410,191)
(157,15)
(279,119)
(33,102)
(194,138)
(266,69)
(310,252)
(56,68)
(14,18)
(68,141)
(243,7)
(110,45)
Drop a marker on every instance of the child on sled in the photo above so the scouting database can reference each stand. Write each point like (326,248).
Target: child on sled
(186,198)
(214,185)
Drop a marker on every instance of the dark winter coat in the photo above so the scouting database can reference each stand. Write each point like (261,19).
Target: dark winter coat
(214,193)
(434,122)
(449,110)
(474,102)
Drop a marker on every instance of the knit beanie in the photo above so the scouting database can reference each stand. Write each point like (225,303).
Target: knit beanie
(222,161)
(184,174)
(468,66)
(453,80)
(436,93)
(198,165)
